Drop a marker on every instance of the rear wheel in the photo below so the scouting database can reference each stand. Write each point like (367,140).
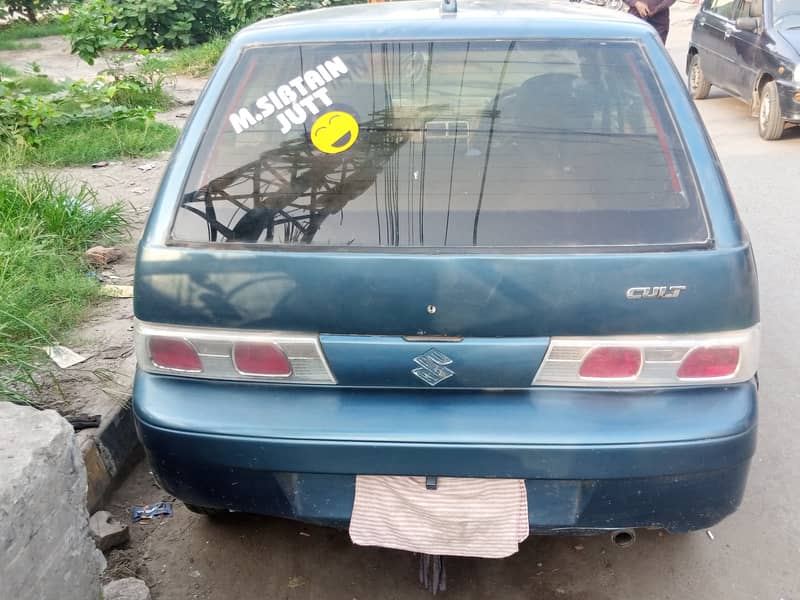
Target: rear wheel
(699,86)
(770,120)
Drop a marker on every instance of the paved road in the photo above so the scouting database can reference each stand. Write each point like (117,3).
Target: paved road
(754,554)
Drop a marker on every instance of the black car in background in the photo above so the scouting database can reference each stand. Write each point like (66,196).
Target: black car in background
(750,49)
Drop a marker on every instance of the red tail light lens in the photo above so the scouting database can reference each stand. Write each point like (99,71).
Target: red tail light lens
(261,359)
(611,363)
(175,354)
(720,358)
(701,363)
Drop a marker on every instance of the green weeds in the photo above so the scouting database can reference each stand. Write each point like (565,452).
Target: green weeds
(7,71)
(12,34)
(47,123)
(38,84)
(195,61)
(22,30)
(86,142)
(14,45)
(45,226)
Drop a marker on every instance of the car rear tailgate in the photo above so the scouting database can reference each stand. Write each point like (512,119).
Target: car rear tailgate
(487,295)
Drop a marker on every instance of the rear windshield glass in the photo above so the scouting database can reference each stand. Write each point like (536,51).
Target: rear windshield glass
(442,144)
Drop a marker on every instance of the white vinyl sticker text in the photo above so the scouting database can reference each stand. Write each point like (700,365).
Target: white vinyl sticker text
(293,102)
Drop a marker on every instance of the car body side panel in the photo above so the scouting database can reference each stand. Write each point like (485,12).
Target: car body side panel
(748,55)
(717,53)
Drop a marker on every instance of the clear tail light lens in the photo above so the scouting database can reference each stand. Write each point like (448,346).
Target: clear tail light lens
(174,355)
(611,363)
(231,354)
(702,363)
(659,360)
(264,360)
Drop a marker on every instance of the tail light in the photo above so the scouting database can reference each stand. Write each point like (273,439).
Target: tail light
(663,360)
(611,363)
(231,354)
(174,355)
(264,360)
(703,363)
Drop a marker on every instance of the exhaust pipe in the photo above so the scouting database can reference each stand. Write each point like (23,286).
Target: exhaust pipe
(623,538)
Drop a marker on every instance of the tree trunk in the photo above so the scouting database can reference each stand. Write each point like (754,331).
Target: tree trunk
(30,13)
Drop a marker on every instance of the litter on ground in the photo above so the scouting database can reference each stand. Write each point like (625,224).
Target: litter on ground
(64,357)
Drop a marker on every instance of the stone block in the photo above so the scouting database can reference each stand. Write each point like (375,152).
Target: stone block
(106,531)
(126,589)
(44,526)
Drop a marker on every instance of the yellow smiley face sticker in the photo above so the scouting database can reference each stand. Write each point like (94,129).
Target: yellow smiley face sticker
(334,132)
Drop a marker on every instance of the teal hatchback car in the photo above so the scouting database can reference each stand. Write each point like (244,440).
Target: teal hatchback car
(412,262)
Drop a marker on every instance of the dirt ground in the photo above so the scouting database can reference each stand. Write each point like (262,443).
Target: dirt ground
(188,556)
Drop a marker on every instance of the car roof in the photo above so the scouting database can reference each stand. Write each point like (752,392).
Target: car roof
(423,19)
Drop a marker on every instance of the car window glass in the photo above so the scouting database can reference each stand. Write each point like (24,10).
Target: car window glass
(786,13)
(742,10)
(442,144)
(723,8)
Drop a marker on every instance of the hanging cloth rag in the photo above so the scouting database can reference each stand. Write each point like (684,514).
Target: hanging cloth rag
(485,518)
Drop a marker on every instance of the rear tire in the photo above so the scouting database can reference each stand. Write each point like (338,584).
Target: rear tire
(699,86)
(204,510)
(770,119)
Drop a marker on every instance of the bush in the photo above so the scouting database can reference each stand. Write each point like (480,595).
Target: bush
(167,23)
(91,29)
(99,25)
(244,12)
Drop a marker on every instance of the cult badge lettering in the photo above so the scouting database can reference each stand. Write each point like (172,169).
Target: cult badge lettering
(293,102)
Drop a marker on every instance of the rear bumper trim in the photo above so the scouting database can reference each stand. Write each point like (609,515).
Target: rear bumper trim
(548,433)
(529,461)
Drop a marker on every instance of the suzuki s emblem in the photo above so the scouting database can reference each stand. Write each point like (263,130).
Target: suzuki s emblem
(433,367)
(659,291)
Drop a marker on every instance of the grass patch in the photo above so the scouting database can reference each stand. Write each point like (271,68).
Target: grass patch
(14,45)
(38,84)
(195,61)
(7,70)
(86,142)
(45,226)
(22,30)
(72,123)
(133,93)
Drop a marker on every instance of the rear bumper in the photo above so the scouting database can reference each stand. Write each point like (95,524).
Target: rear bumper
(591,459)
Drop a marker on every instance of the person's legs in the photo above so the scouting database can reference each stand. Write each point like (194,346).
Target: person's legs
(660,22)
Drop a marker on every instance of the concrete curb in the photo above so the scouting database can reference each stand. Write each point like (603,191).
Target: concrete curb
(108,454)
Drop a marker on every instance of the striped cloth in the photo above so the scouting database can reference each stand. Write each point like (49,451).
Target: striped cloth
(485,518)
